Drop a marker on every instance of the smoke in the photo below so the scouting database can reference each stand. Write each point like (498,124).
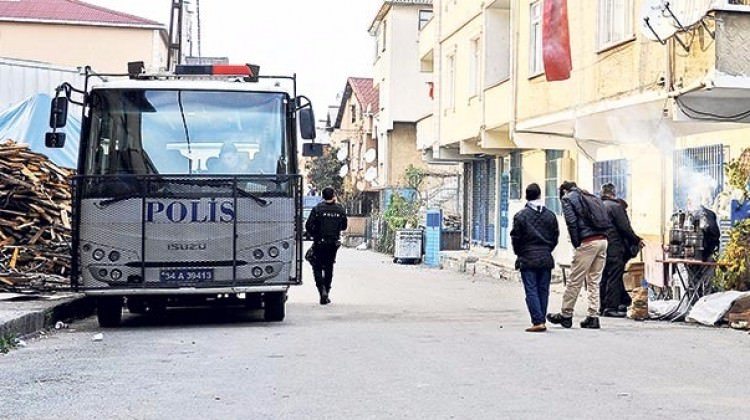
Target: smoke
(698,188)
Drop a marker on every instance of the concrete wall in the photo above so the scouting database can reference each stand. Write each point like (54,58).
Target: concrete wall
(403,152)
(105,49)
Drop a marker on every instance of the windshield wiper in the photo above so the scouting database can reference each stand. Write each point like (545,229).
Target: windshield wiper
(105,203)
(245,194)
(187,132)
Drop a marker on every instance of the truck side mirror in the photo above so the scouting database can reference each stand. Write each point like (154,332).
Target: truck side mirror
(54,140)
(312,149)
(58,115)
(307,123)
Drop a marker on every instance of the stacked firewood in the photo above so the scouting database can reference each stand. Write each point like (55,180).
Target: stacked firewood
(35,212)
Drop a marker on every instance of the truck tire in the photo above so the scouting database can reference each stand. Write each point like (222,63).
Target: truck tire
(136,305)
(253,301)
(109,311)
(275,304)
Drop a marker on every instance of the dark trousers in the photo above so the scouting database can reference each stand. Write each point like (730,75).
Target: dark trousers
(612,290)
(325,258)
(536,284)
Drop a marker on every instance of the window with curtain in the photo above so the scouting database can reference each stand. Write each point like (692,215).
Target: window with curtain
(536,65)
(615,22)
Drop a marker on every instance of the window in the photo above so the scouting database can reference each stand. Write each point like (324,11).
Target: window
(615,22)
(483,183)
(614,172)
(424,17)
(514,171)
(383,34)
(536,65)
(551,181)
(474,67)
(181,132)
(450,82)
(353,110)
(698,175)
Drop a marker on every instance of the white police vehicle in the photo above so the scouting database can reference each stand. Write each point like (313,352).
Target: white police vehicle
(188,188)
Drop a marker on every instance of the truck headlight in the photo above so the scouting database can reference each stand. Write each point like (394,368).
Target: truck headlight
(98,254)
(273,252)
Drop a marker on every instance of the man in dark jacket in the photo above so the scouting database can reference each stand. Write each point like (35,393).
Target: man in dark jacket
(535,234)
(620,238)
(590,245)
(325,223)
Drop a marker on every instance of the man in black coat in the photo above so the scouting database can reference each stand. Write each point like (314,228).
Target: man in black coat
(325,223)
(535,234)
(621,239)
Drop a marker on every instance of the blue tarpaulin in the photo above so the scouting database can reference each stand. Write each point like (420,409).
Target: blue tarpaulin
(28,121)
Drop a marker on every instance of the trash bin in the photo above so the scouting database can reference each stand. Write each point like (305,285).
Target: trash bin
(408,246)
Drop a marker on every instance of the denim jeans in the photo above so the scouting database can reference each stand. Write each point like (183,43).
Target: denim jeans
(536,283)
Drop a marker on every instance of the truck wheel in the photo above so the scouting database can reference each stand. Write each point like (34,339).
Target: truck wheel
(109,311)
(253,301)
(275,304)
(136,305)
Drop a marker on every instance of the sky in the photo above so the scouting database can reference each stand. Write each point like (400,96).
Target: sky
(323,41)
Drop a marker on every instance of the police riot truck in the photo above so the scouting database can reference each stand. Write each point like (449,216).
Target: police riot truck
(188,189)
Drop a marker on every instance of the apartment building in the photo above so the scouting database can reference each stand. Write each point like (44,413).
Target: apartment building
(353,135)
(658,115)
(403,88)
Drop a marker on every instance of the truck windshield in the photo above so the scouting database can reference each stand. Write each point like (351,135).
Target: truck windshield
(183,132)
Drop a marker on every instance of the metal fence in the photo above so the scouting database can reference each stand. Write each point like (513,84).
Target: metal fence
(612,171)
(698,174)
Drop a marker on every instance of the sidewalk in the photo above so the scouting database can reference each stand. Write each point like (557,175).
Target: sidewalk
(485,263)
(22,315)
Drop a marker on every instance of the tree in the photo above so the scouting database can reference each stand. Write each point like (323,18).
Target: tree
(323,171)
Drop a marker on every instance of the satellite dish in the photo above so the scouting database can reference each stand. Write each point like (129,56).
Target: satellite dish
(371,155)
(342,154)
(360,185)
(371,174)
(656,24)
(343,171)
(689,12)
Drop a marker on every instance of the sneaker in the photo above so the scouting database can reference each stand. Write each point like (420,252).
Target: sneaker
(537,328)
(565,321)
(590,322)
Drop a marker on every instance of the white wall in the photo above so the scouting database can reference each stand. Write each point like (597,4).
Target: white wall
(403,87)
(21,79)
(497,47)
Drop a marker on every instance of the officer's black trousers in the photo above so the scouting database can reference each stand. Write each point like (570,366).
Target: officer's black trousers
(325,258)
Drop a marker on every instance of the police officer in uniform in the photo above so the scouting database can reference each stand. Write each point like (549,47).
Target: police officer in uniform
(325,223)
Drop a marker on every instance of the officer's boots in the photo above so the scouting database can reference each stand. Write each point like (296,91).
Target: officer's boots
(323,295)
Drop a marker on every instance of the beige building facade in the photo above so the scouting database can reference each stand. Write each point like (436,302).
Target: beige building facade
(77,34)
(353,135)
(659,121)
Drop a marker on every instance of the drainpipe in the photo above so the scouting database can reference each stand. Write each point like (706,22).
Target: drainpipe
(514,34)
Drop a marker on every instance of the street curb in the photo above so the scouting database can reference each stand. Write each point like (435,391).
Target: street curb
(34,321)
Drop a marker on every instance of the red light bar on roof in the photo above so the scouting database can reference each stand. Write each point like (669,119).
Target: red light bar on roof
(248,71)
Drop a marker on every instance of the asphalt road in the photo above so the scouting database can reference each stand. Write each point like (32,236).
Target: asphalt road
(397,342)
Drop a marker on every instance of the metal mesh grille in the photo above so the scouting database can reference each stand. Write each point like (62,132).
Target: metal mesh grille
(170,231)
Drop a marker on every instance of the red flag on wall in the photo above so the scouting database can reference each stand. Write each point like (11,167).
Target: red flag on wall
(556,40)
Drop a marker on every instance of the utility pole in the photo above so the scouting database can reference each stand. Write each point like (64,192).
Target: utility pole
(174,56)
